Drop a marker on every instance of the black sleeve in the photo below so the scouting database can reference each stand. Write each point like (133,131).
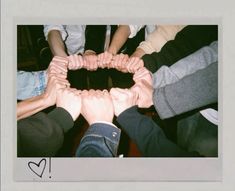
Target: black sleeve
(149,138)
(95,38)
(42,135)
(187,41)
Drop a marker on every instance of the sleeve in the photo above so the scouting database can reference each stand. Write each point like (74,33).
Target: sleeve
(187,41)
(191,92)
(134,29)
(186,66)
(158,38)
(30,84)
(148,136)
(95,38)
(42,135)
(61,28)
(100,140)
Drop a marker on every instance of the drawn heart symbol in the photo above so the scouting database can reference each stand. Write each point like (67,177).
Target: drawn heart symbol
(39,168)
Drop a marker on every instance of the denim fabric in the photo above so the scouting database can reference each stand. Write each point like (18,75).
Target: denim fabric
(30,84)
(100,140)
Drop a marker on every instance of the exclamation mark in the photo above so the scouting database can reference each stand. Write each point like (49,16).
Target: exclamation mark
(50,167)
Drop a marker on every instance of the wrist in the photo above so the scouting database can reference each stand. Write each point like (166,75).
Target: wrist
(46,100)
(99,120)
(89,52)
(112,50)
(138,53)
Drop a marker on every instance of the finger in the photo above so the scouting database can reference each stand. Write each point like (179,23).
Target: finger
(133,64)
(146,84)
(80,61)
(58,66)
(138,65)
(84,93)
(105,92)
(92,92)
(72,63)
(60,59)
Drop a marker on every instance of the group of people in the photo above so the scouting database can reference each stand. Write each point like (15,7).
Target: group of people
(171,67)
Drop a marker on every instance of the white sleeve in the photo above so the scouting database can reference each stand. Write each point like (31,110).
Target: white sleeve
(61,28)
(135,29)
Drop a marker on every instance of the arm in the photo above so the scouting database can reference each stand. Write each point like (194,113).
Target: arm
(55,35)
(30,84)
(187,41)
(95,40)
(149,137)
(56,43)
(42,135)
(191,92)
(100,140)
(120,37)
(102,137)
(186,66)
(159,37)
(33,105)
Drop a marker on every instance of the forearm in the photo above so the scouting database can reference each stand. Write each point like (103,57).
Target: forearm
(31,106)
(138,53)
(120,37)
(42,135)
(56,43)
(186,66)
(191,92)
(149,137)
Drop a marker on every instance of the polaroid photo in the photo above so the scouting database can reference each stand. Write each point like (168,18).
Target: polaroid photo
(113,99)
(97,59)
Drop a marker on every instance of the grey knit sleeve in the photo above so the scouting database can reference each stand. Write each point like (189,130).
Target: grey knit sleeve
(191,92)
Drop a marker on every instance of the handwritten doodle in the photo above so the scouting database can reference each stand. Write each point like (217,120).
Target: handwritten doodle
(38,168)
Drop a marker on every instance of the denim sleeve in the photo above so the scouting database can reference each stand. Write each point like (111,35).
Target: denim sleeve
(100,140)
(30,84)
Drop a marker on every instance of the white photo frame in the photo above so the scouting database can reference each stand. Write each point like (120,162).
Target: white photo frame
(218,173)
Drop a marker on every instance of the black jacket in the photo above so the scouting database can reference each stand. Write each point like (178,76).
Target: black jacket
(150,138)
(42,134)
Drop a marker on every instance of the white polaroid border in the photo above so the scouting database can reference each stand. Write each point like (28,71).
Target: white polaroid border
(123,173)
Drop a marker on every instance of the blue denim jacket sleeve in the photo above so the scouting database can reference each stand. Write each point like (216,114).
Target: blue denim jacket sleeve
(100,140)
(30,84)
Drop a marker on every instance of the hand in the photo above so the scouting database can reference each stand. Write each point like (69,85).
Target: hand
(134,63)
(145,93)
(75,62)
(90,61)
(143,74)
(123,99)
(54,83)
(119,62)
(97,106)
(58,66)
(104,59)
(70,100)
